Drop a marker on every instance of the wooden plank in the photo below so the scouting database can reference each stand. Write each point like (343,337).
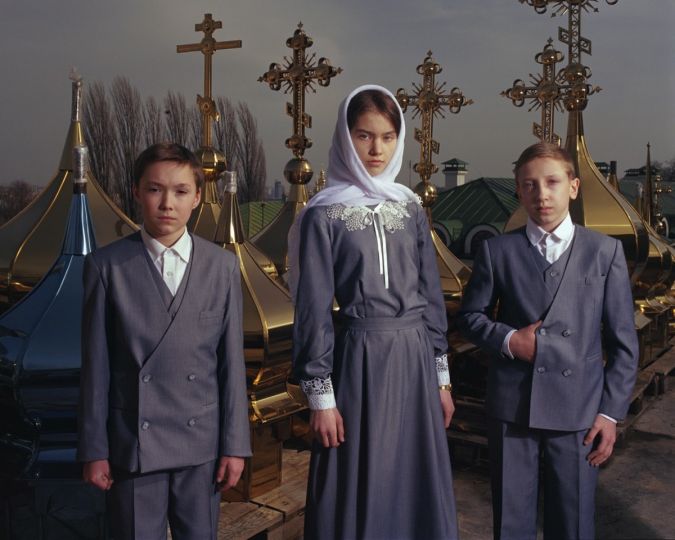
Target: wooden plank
(250,524)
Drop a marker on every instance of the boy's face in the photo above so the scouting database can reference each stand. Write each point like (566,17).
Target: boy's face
(545,190)
(167,194)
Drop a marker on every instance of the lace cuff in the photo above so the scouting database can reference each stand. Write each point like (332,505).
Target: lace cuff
(442,370)
(319,393)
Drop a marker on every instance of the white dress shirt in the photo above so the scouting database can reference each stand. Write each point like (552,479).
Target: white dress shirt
(171,262)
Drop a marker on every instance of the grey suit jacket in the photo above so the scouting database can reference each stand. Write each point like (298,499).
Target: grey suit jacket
(161,392)
(568,384)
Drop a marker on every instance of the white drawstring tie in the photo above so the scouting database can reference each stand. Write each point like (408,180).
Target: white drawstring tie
(378,225)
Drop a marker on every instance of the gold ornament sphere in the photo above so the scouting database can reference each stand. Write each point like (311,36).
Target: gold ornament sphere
(213,162)
(298,171)
(427,192)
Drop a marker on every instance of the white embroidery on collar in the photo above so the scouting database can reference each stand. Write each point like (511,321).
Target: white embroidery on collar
(357,218)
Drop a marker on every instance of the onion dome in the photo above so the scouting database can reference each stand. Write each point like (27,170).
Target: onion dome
(40,354)
(30,241)
(268,321)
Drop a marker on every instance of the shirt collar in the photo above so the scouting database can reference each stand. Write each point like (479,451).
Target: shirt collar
(563,232)
(182,247)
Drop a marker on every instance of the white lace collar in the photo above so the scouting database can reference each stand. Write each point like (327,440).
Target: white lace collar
(388,216)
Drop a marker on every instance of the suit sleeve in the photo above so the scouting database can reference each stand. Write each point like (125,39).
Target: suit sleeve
(235,438)
(474,319)
(619,339)
(92,415)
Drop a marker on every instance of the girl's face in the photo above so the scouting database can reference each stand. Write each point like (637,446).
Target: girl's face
(374,138)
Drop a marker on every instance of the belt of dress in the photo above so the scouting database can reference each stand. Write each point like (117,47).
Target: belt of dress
(380,323)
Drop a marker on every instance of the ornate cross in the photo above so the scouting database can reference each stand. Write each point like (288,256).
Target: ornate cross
(429,100)
(544,94)
(296,76)
(575,74)
(208,46)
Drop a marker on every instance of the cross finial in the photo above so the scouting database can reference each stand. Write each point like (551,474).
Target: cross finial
(207,46)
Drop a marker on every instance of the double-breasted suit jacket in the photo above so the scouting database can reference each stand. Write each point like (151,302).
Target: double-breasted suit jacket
(163,378)
(589,309)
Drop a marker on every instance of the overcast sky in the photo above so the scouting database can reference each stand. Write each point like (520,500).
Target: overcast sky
(483,45)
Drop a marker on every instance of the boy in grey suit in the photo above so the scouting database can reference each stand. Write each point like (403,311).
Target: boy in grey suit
(163,417)
(562,294)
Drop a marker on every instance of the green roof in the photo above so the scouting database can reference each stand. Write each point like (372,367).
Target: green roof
(258,214)
(484,200)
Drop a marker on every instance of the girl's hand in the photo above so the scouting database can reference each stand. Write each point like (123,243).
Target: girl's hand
(448,407)
(327,427)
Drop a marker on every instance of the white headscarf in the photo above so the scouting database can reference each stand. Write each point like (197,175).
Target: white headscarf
(348,182)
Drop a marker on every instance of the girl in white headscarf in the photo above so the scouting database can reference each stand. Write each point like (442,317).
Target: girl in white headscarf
(376,376)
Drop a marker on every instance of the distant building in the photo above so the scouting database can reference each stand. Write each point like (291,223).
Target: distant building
(455,171)
(467,214)
(603,167)
(277,192)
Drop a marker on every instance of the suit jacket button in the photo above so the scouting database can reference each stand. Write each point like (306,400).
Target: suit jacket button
(146,378)
(145,426)
(554,273)
(192,422)
(566,332)
(542,331)
(541,369)
(567,372)
(192,377)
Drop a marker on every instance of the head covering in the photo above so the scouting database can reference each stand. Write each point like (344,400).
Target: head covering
(348,182)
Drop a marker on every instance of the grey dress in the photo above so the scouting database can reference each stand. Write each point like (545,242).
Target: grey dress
(391,478)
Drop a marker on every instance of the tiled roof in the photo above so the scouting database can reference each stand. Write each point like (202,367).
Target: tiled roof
(256,215)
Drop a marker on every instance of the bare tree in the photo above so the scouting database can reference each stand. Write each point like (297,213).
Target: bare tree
(177,118)
(251,157)
(128,115)
(195,132)
(153,123)
(226,132)
(15,197)
(99,133)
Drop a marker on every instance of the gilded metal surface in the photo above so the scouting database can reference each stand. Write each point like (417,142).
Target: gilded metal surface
(207,46)
(544,94)
(651,210)
(40,355)
(297,75)
(30,242)
(429,101)
(204,218)
(320,182)
(268,322)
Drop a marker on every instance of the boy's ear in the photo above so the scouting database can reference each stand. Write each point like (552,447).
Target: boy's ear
(574,188)
(198,198)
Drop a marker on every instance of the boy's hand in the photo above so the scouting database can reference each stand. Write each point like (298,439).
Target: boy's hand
(97,473)
(327,427)
(229,471)
(606,431)
(448,407)
(523,342)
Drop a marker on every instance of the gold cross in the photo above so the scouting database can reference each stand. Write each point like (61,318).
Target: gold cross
(575,74)
(296,76)
(545,93)
(208,45)
(429,100)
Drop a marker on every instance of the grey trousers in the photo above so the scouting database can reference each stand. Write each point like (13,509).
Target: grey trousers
(516,454)
(140,505)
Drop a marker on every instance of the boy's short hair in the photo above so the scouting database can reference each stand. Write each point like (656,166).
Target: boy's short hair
(168,152)
(545,150)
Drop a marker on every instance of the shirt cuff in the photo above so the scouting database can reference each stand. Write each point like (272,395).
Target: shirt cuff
(319,393)
(608,418)
(442,370)
(505,344)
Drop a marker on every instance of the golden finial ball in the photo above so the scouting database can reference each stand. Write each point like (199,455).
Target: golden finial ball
(427,192)
(213,162)
(298,171)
